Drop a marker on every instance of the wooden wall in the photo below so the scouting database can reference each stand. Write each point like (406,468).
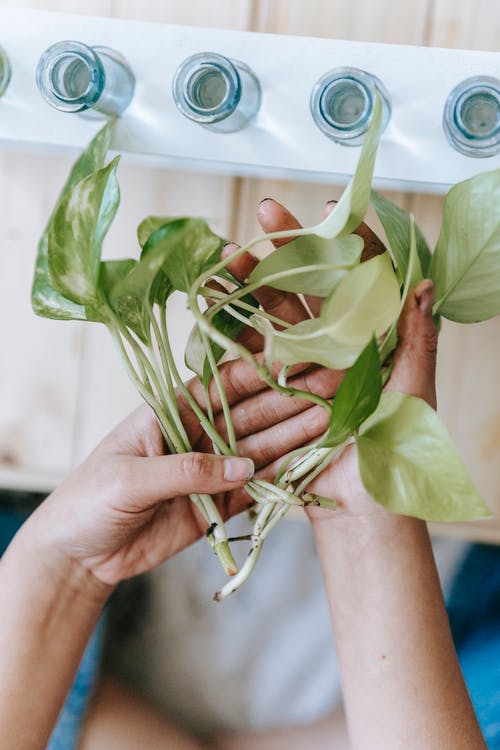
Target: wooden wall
(61,384)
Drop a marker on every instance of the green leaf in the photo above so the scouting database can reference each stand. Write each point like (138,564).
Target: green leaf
(396,223)
(77,231)
(45,300)
(408,463)
(190,248)
(196,357)
(466,263)
(364,304)
(148,226)
(133,293)
(357,397)
(413,276)
(309,264)
(353,204)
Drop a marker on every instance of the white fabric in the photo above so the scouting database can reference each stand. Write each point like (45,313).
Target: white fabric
(263,658)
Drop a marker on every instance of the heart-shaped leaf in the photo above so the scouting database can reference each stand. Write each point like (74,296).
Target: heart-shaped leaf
(466,263)
(413,276)
(396,223)
(309,265)
(45,300)
(357,397)
(77,231)
(408,463)
(189,247)
(365,303)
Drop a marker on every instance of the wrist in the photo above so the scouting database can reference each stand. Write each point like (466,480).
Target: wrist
(36,557)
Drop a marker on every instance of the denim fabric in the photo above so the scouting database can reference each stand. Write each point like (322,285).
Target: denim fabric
(66,733)
(474,612)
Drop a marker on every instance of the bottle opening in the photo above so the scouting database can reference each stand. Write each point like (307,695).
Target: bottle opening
(5,71)
(342,104)
(71,77)
(479,115)
(207,88)
(471,117)
(345,104)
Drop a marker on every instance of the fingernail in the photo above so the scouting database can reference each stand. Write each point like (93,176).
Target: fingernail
(238,469)
(228,249)
(329,203)
(426,298)
(264,200)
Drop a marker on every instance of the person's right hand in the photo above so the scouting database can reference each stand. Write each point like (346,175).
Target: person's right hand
(413,372)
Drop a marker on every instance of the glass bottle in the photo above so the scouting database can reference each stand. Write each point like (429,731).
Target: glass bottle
(342,104)
(471,118)
(5,71)
(73,77)
(221,94)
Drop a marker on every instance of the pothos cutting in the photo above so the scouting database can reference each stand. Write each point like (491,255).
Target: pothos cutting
(398,436)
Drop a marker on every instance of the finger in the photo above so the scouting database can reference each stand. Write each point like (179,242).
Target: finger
(415,358)
(268,445)
(283,305)
(239,381)
(265,409)
(274,217)
(147,481)
(373,245)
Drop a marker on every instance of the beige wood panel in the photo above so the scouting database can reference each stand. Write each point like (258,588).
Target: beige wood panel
(89,8)
(391,21)
(39,358)
(105,393)
(465,24)
(220,14)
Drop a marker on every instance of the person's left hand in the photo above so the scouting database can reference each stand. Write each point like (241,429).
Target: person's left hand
(124,510)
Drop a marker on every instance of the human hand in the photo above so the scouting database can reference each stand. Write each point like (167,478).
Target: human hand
(413,372)
(125,510)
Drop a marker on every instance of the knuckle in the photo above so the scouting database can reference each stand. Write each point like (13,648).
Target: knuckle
(195,464)
(119,478)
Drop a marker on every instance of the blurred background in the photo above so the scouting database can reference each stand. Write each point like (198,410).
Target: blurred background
(62,386)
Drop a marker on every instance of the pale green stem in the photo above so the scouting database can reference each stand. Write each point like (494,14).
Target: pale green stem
(249,564)
(204,422)
(204,503)
(170,392)
(215,294)
(268,281)
(226,409)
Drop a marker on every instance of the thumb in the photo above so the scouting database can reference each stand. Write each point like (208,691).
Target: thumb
(153,479)
(415,359)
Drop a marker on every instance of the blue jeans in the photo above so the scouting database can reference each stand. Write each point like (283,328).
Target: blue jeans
(65,735)
(474,612)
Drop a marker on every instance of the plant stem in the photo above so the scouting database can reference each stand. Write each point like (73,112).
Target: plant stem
(215,294)
(222,394)
(249,564)
(268,281)
(204,422)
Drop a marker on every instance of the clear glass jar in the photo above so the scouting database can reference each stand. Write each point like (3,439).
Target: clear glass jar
(342,104)
(5,71)
(471,118)
(73,77)
(221,94)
